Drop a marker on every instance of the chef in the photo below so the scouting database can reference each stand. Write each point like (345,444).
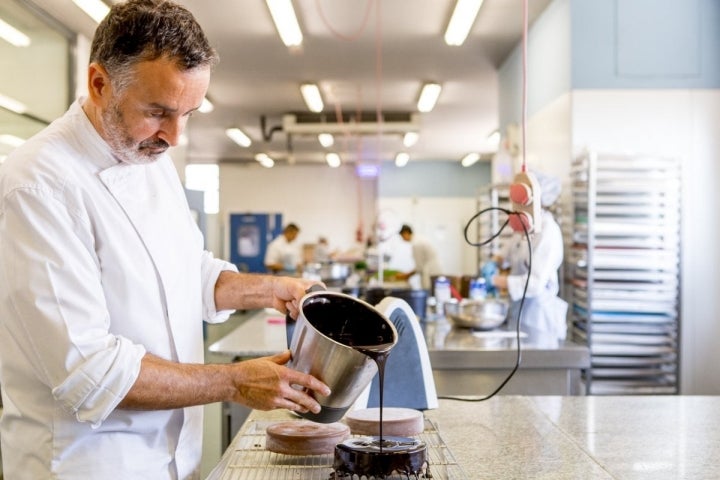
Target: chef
(104,282)
(283,253)
(543,312)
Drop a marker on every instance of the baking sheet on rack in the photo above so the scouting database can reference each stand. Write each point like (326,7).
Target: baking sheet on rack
(630,306)
(630,350)
(637,317)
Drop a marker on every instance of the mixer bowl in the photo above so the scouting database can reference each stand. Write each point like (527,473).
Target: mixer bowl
(485,314)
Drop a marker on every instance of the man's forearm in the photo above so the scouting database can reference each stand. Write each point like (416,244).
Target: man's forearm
(235,291)
(162,384)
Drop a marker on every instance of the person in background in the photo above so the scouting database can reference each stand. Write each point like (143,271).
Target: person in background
(104,281)
(321,252)
(283,254)
(425,258)
(543,313)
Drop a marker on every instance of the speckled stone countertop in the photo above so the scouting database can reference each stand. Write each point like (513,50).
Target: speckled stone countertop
(593,437)
(579,437)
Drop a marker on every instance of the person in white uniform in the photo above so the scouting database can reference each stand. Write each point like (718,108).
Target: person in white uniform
(283,253)
(425,258)
(543,313)
(104,282)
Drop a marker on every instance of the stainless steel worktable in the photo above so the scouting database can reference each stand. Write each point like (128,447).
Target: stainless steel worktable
(552,437)
(464,363)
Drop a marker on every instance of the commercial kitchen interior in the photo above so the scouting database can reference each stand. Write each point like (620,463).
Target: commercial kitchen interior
(621,79)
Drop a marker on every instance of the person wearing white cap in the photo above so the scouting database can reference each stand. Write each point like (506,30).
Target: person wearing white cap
(543,312)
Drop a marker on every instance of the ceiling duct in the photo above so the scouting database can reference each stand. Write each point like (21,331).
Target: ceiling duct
(365,123)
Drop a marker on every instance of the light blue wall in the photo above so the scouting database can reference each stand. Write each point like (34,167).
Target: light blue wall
(432,179)
(613,44)
(548,62)
(645,44)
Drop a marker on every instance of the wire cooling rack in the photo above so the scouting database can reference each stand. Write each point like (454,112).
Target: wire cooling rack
(247,459)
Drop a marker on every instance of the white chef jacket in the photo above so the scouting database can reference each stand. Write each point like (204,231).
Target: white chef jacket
(282,252)
(100,261)
(426,261)
(544,313)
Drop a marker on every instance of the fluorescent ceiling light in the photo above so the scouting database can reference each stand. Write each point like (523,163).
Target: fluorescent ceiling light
(462,21)
(265,160)
(428,97)
(11,140)
(401,159)
(283,15)
(206,106)
(333,159)
(13,35)
(326,140)
(410,139)
(470,159)
(97,9)
(12,104)
(238,136)
(312,97)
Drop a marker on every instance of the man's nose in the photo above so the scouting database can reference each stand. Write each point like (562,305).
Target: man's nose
(171,131)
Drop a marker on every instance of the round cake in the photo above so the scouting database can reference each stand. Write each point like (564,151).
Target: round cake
(370,457)
(399,422)
(303,437)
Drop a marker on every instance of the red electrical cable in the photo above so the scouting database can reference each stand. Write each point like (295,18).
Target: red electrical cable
(524,82)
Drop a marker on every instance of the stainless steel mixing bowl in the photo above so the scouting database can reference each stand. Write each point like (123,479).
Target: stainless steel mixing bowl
(485,314)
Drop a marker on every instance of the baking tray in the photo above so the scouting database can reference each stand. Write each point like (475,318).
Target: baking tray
(247,459)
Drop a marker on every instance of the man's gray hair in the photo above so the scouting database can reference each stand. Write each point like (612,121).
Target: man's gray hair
(145,30)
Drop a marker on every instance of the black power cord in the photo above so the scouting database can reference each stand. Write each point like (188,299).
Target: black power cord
(518,357)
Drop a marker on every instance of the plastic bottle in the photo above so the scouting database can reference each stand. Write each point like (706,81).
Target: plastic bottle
(442,292)
(478,289)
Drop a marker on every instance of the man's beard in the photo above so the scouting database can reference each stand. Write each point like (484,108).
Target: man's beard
(123,146)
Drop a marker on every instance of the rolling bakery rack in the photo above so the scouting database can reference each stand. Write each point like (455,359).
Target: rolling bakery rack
(625,261)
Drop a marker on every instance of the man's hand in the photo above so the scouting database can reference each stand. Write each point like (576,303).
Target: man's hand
(265,384)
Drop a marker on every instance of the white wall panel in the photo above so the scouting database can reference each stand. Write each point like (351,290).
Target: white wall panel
(681,123)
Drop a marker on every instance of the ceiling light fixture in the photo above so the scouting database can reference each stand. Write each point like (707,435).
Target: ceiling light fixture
(326,140)
(333,159)
(283,16)
(265,160)
(238,136)
(410,139)
(206,106)
(97,9)
(12,104)
(11,140)
(401,159)
(470,159)
(13,35)
(462,21)
(311,94)
(428,97)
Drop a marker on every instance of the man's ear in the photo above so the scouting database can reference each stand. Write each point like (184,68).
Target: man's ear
(99,88)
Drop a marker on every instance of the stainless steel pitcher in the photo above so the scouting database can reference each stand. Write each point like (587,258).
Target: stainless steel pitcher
(328,340)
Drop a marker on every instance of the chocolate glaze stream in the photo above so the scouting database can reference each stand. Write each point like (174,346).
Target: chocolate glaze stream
(380,357)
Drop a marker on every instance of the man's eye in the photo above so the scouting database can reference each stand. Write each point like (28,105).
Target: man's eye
(156,114)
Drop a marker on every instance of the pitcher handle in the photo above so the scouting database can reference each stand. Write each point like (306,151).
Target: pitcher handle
(290,322)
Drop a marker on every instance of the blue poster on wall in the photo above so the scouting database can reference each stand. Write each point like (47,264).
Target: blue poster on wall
(250,234)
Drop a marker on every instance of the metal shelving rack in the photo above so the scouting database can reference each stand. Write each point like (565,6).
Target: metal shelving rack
(625,267)
(493,195)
